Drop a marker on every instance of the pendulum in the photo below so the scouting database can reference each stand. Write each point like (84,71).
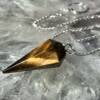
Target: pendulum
(51,53)
(48,54)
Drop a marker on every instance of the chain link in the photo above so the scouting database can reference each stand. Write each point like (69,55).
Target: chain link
(37,22)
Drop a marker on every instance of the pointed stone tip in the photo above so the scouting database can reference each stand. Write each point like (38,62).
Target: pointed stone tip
(7,70)
(4,72)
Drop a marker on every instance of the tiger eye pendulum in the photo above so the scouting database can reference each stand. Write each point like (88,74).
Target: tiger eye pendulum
(51,53)
(47,55)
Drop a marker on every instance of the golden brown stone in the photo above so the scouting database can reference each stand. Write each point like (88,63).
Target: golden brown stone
(48,54)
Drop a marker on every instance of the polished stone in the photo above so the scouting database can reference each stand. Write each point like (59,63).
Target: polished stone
(45,56)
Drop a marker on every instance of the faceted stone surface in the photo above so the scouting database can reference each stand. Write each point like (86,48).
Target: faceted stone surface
(44,56)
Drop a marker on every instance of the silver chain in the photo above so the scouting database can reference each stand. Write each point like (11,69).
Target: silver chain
(37,22)
(92,19)
(78,25)
(91,22)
